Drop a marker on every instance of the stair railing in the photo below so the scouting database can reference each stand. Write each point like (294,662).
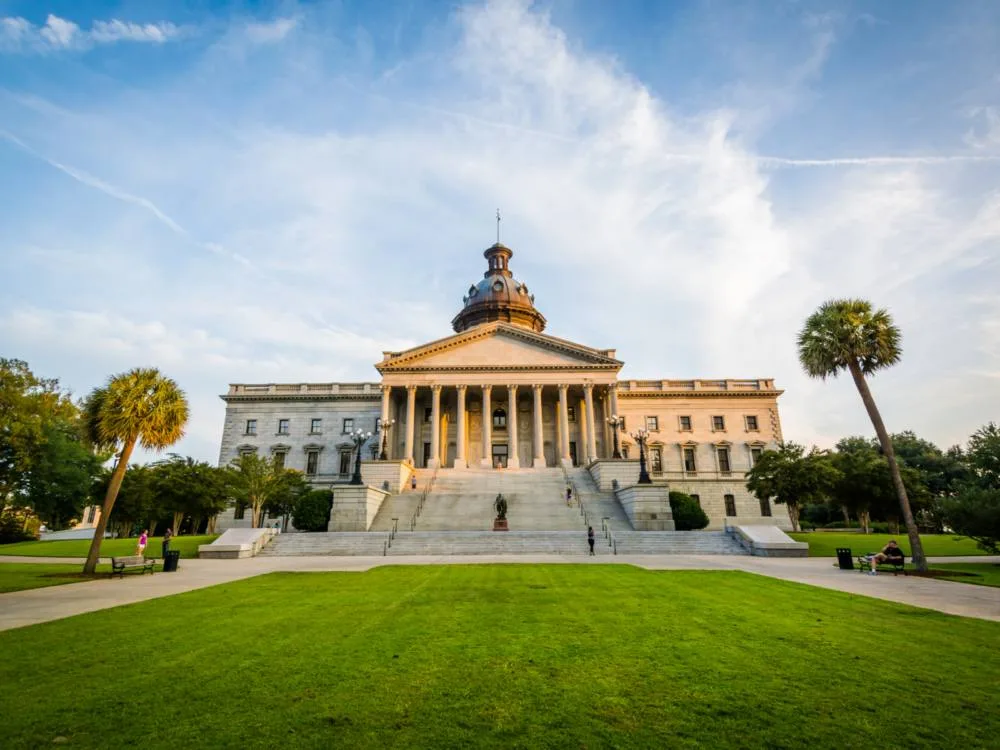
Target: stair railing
(423,499)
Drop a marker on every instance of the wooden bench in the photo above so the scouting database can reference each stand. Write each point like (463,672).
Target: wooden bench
(134,562)
(896,564)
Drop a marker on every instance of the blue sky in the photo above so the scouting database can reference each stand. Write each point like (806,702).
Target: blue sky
(269,192)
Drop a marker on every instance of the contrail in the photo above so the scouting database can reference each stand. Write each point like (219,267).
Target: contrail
(875,161)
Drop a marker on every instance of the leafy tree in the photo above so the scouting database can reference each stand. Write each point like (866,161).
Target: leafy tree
(282,504)
(983,455)
(312,510)
(688,513)
(792,477)
(848,335)
(62,471)
(255,482)
(139,406)
(975,510)
(185,487)
(28,406)
(135,504)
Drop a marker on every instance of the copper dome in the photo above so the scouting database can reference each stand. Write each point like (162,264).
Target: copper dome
(498,297)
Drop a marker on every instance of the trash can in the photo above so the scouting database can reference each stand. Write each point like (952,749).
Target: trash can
(845,558)
(170,561)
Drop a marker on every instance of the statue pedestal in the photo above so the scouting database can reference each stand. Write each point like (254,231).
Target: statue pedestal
(500,524)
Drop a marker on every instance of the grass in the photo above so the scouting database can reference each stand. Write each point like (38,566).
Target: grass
(824,544)
(982,574)
(188,545)
(512,656)
(23,576)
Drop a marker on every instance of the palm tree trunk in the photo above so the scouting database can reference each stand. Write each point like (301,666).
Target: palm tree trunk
(109,502)
(916,547)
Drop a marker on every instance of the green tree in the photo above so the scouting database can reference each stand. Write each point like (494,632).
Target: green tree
(312,510)
(848,335)
(983,455)
(791,477)
(63,469)
(28,406)
(283,503)
(185,487)
(255,482)
(135,504)
(687,512)
(139,406)
(974,511)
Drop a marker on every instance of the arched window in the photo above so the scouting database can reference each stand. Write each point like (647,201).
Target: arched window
(499,419)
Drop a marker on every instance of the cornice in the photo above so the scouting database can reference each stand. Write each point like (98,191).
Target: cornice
(700,394)
(231,397)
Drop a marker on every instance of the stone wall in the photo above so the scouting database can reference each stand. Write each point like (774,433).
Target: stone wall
(647,506)
(378,473)
(355,507)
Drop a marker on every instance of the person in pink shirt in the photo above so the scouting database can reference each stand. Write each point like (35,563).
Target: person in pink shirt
(143,539)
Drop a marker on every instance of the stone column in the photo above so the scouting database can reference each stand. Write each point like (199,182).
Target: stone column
(613,393)
(460,460)
(487,459)
(386,401)
(564,424)
(513,461)
(539,445)
(411,408)
(581,450)
(435,459)
(588,398)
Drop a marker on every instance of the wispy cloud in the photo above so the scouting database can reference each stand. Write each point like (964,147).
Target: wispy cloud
(271,31)
(20,35)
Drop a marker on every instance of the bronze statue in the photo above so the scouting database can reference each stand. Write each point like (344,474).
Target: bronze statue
(501,507)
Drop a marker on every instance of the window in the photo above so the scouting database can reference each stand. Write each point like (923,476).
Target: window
(251,427)
(656,459)
(345,463)
(283,426)
(755,455)
(570,413)
(239,512)
(718,424)
(751,420)
(685,423)
(730,505)
(621,423)
(378,424)
(689,463)
(723,454)
(312,463)
(652,424)
(315,426)
(499,419)
(765,507)
(624,451)
(279,459)
(428,412)
(697,499)
(247,451)
(347,427)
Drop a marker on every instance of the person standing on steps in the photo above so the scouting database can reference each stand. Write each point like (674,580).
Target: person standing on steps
(590,538)
(569,497)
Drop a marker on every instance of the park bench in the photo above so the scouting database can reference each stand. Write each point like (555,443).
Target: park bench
(120,564)
(896,564)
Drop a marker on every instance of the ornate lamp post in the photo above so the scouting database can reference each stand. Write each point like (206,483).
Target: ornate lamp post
(616,422)
(640,438)
(386,426)
(359,438)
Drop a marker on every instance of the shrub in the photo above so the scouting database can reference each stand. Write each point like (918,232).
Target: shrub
(688,515)
(312,510)
(18,525)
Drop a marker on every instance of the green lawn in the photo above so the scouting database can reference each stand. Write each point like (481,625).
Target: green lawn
(188,545)
(511,656)
(983,574)
(22,576)
(824,544)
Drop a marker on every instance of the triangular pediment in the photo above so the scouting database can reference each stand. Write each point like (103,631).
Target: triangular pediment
(498,345)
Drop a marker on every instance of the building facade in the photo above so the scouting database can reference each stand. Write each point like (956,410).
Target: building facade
(501,393)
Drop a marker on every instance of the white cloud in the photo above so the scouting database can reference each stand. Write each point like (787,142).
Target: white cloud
(270,32)
(19,35)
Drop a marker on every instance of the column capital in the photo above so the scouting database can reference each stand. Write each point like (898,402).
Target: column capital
(386,388)
(411,388)
(537,386)
(563,387)
(436,387)
(461,388)
(588,387)
(513,386)
(487,387)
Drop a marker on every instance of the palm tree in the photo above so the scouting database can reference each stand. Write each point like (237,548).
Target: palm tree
(139,406)
(846,334)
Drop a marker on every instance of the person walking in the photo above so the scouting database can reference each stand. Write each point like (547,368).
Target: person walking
(590,539)
(140,548)
(167,536)
(569,497)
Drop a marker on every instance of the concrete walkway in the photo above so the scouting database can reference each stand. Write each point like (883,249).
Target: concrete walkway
(21,608)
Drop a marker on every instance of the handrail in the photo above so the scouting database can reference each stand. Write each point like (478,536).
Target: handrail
(423,497)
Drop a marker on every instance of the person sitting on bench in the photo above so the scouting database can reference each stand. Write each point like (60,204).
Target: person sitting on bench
(891,553)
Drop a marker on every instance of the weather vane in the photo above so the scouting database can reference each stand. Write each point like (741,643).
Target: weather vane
(498,226)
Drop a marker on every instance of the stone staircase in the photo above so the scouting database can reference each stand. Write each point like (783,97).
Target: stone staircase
(407,543)
(598,504)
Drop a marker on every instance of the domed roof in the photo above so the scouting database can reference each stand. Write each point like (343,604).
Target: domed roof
(498,297)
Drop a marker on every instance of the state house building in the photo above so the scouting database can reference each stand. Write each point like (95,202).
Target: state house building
(500,394)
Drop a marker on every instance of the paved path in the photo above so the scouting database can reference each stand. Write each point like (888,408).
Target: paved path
(21,608)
